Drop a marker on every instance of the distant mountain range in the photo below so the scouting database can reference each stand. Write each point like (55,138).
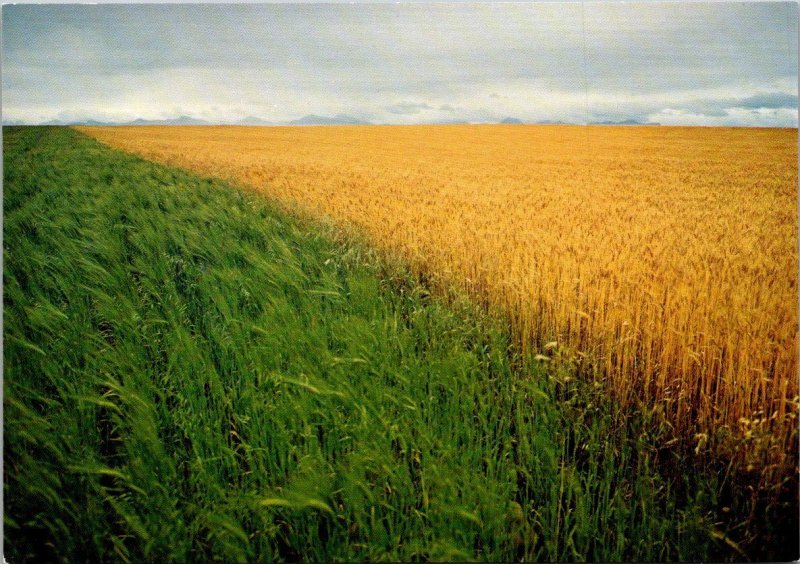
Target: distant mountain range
(623,122)
(182,120)
(253,120)
(311,119)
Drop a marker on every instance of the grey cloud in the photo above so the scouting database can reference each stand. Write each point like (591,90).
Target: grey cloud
(769,100)
(721,107)
(604,107)
(408,107)
(763,117)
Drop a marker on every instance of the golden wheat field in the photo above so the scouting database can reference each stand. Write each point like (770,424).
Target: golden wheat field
(664,258)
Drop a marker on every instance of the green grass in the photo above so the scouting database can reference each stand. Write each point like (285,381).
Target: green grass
(191,374)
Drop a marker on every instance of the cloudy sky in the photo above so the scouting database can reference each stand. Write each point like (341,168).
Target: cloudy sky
(717,63)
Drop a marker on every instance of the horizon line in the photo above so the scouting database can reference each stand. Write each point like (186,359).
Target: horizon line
(288,125)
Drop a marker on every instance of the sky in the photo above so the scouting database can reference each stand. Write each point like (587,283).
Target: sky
(702,63)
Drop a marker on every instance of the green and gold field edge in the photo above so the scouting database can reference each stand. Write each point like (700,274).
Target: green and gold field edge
(192,374)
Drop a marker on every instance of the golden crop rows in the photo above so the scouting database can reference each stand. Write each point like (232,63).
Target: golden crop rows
(667,256)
